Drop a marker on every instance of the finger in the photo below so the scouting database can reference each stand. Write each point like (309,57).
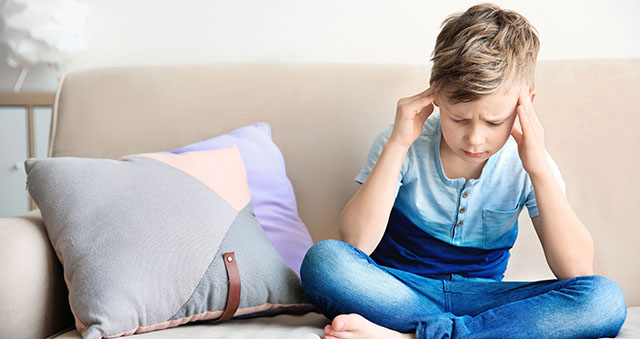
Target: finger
(424,114)
(524,121)
(425,100)
(524,98)
(517,133)
(427,109)
(534,122)
(425,97)
(425,93)
(416,103)
(419,105)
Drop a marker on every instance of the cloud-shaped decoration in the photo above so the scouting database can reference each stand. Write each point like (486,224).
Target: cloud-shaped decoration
(43,31)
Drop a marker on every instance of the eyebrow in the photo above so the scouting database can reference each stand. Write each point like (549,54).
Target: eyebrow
(456,116)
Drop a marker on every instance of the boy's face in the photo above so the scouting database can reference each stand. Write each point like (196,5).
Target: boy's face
(474,131)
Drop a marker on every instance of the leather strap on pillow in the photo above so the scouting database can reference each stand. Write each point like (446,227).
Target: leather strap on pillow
(233,299)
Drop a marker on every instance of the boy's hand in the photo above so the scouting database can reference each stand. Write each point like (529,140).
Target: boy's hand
(411,114)
(530,137)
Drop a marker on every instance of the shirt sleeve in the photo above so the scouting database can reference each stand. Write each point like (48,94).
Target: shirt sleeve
(374,153)
(531,203)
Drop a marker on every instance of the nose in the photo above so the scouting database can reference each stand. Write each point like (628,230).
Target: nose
(475,137)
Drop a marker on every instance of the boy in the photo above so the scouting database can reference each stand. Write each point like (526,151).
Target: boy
(426,238)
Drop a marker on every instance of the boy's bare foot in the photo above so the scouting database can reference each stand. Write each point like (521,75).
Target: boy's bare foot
(350,326)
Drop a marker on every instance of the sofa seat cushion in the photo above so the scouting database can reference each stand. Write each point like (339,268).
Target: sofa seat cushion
(308,326)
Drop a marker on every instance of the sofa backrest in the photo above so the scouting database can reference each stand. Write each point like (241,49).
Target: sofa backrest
(325,116)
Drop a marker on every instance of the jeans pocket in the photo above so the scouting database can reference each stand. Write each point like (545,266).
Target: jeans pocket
(500,228)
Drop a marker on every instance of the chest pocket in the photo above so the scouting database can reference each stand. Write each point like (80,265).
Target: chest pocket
(499,227)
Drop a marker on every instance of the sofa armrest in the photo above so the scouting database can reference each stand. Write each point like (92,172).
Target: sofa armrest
(33,296)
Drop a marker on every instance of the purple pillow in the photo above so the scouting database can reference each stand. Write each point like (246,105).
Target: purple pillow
(274,202)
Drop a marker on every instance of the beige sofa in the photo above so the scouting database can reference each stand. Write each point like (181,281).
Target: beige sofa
(324,118)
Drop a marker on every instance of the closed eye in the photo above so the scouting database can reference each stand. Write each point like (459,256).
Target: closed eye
(490,123)
(495,124)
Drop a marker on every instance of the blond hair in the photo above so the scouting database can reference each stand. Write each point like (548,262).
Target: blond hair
(482,51)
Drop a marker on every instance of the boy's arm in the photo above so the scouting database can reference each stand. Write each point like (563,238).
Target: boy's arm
(567,244)
(364,218)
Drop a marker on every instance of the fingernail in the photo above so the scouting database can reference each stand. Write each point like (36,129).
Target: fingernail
(339,325)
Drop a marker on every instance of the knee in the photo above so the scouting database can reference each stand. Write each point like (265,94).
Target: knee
(604,301)
(608,292)
(322,260)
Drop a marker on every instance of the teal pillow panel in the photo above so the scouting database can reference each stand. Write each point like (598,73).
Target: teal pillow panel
(141,240)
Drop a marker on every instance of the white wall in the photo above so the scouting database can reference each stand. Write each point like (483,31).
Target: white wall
(125,32)
(133,32)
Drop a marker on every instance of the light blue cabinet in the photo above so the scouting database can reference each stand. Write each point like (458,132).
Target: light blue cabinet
(14,150)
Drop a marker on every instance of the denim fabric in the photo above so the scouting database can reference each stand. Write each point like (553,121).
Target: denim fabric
(341,279)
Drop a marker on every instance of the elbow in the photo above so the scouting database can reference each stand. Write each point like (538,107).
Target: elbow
(365,249)
(574,274)
(578,265)
(576,271)
(354,231)
(355,241)
(586,270)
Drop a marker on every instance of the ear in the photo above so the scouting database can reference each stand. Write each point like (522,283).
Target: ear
(532,93)
(436,100)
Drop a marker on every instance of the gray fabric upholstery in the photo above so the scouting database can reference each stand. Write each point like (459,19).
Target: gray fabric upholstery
(141,241)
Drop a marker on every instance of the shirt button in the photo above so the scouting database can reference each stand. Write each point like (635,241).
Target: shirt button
(462,210)
(459,224)
(465,194)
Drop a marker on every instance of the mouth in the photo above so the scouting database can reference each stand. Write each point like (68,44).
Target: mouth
(474,155)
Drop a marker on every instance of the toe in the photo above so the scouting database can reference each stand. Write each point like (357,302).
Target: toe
(330,333)
(338,335)
(349,322)
(342,322)
(337,323)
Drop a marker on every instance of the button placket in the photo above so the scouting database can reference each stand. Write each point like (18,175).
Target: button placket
(460,216)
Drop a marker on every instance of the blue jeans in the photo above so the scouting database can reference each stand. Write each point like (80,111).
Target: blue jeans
(341,279)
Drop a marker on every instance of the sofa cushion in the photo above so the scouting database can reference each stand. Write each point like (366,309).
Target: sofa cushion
(309,326)
(272,196)
(141,240)
(283,326)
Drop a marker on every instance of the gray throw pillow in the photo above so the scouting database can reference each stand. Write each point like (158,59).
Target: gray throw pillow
(142,240)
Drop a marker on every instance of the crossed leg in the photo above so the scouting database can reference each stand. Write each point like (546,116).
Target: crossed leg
(368,300)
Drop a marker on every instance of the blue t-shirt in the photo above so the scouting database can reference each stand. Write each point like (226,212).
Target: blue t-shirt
(440,225)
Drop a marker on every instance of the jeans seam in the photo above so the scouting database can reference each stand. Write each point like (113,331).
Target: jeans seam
(447,299)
